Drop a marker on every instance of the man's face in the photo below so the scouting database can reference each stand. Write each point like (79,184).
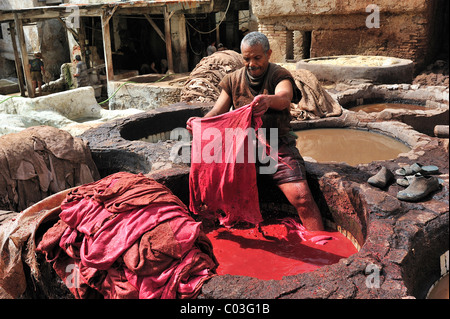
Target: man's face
(255,60)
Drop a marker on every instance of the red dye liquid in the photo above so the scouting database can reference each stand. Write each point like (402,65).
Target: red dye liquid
(247,252)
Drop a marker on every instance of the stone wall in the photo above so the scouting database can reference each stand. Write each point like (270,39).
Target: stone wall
(407,29)
(295,8)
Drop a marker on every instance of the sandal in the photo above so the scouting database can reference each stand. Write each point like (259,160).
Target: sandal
(417,168)
(406,180)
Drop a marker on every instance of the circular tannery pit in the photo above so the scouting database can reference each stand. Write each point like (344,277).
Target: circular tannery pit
(402,247)
(376,69)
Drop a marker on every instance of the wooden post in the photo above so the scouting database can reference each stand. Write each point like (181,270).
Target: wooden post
(231,25)
(24,54)
(217,30)
(179,43)
(168,39)
(82,42)
(107,47)
(17,60)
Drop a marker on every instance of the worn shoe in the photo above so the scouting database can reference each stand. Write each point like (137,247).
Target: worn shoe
(382,178)
(417,168)
(406,180)
(420,186)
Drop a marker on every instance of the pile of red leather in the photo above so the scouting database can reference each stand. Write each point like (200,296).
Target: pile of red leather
(127,236)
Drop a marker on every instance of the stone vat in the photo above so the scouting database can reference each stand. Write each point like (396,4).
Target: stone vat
(434,99)
(146,92)
(390,70)
(8,87)
(400,244)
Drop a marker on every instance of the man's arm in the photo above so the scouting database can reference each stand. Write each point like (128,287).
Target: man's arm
(279,101)
(77,71)
(221,106)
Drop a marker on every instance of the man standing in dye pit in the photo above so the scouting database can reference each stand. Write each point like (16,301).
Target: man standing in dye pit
(271,88)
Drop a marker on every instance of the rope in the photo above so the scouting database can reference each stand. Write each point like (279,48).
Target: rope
(207,32)
(162,78)
(190,44)
(115,92)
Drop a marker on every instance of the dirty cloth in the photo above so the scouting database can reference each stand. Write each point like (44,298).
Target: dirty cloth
(40,161)
(220,184)
(316,102)
(18,244)
(304,234)
(203,83)
(129,237)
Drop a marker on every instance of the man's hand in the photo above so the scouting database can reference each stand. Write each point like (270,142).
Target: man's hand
(188,123)
(261,104)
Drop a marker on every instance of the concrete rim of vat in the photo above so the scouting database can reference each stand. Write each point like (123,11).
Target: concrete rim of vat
(8,87)
(434,99)
(401,72)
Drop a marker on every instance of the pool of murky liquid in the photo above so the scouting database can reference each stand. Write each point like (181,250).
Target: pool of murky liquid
(378,107)
(351,146)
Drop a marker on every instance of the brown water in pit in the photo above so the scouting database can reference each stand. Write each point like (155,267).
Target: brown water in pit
(441,290)
(378,107)
(348,145)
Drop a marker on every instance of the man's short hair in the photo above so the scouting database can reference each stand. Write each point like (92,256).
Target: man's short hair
(255,38)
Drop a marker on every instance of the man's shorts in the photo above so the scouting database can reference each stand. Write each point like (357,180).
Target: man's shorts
(291,166)
(36,76)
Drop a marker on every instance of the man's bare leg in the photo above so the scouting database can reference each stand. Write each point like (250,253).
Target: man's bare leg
(34,85)
(40,88)
(299,195)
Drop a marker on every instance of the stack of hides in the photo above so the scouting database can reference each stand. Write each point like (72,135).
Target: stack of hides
(203,83)
(316,102)
(40,161)
(127,236)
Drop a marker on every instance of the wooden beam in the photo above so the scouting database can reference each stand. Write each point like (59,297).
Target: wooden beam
(24,54)
(107,47)
(168,37)
(74,33)
(96,10)
(45,13)
(17,60)
(153,24)
(108,15)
